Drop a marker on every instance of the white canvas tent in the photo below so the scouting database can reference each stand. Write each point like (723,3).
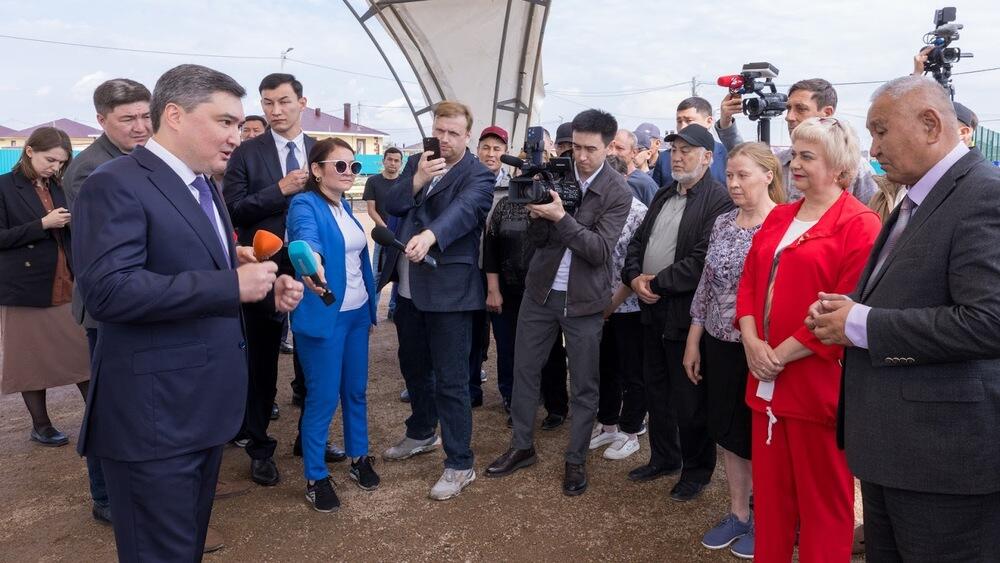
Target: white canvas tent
(485,53)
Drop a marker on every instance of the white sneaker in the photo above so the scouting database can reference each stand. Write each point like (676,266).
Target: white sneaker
(605,438)
(408,447)
(622,448)
(451,483)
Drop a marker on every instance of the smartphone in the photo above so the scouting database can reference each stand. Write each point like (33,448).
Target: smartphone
(434,145)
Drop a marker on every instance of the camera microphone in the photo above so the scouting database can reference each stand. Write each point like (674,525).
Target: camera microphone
(509,160)
(732,81)
(385,237)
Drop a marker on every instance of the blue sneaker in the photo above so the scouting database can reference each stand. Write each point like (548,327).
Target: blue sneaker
(743,548)
(728,530)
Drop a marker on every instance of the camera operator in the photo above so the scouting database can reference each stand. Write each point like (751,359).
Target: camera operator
(577,246)
(663,266)
(806,98)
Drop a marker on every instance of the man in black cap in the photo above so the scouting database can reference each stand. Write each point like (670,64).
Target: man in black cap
(564,139)
(967,123)
(663,265)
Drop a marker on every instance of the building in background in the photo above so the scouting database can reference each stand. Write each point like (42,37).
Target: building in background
(80,135)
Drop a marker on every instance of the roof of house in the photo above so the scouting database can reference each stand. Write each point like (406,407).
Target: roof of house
(7,131)
(314,120)
(74,129)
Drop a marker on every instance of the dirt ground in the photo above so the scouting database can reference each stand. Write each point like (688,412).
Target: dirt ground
(522,517)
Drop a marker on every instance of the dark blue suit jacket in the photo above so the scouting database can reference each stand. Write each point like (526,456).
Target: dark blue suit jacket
(310,220)
(251,187)
(455,212)
(169,370)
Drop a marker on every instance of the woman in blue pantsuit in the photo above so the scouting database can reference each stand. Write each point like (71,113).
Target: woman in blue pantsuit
(332,341)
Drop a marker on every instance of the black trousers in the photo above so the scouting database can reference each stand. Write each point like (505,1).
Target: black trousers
(162,507)
(678,432)
(623,400)
(263,330)
(477,354)
(912,526)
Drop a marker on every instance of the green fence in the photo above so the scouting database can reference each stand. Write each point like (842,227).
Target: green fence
(988,143)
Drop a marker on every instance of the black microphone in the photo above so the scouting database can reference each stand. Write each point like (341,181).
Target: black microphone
(512,161)
(385,237)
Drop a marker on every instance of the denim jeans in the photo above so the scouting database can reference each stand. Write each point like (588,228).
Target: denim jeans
(98,489)
(434,360)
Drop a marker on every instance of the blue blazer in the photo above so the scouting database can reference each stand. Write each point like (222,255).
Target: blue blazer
(455,211)
(310,220)
(169,373)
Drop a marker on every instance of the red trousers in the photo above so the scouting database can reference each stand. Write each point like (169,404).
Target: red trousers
(800,481)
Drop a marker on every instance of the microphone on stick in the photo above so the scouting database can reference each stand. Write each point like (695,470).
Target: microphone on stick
(266,244)
(385,237)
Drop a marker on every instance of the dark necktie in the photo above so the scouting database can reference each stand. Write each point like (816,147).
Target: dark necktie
(208,205)
(905,211)
(291,163)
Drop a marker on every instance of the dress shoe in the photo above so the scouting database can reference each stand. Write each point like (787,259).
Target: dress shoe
(101,513)
(225,489)
(685,491)
(575,481)
(214,540)
(476,403)
(264,472)
(553,421)
(333,453)
(511,461)
(275,413)
(649,472)
(49,436)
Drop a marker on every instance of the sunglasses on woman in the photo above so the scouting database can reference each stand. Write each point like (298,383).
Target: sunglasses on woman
(341,166)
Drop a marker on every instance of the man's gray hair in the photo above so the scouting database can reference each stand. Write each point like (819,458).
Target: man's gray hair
(188,86)
(631,137)
(118,92)
(933,93)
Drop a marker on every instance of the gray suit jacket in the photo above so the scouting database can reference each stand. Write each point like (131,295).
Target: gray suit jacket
(921,406)
(79,170)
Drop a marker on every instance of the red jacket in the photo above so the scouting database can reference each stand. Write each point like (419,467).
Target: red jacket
(828,257)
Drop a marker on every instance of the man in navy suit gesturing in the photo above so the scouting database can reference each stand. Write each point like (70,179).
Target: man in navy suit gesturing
(157,267)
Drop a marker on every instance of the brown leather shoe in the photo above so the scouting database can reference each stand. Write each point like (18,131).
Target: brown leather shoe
(225,489)
(214,540)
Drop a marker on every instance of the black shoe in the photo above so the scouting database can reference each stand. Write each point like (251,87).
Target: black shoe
(275,413)
(264,472)
(650,472)
(101,513)
(297,399)
(553,421)
(49,436)
(321,495)
(364,474)
(333,454)
(684,491)
(511,461)
(575,481)
(506,405)
(477,402)
(510,422)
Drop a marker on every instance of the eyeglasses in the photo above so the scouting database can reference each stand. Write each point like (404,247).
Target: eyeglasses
(341,166)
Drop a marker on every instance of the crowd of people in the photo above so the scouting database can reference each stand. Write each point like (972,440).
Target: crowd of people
(715,294)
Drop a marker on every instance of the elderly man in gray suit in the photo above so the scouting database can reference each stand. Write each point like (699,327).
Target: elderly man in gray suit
(920,406)
(123,112)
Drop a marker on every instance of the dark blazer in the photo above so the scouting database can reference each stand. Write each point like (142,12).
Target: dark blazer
(169,370)
(310,220)
(82,166)
(455,212)
(28,252)
(677,282)
(251,187)
(921,406)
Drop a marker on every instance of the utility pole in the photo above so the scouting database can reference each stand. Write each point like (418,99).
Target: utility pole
(694,85)
(284,55)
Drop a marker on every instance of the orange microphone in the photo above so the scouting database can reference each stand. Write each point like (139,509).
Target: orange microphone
(266,244)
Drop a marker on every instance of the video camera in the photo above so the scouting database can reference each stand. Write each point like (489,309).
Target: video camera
(942,56)
(758,78)
(537,176)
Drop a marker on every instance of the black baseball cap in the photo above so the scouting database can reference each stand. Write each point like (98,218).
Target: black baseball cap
(695,135)
(965,115)
(564,134)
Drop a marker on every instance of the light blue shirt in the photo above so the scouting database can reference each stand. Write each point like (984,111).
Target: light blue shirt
(856,328)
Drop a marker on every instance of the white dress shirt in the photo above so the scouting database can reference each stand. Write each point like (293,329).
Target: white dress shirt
(561,280)
(300,150)
(355,293)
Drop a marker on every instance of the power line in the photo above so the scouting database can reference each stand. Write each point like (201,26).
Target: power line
(611,93)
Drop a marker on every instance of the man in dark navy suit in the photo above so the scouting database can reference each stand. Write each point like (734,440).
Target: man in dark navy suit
(156,266)
(443,202)
(261,178)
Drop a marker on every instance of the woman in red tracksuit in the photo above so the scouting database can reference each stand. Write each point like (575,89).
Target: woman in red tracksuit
(820,243)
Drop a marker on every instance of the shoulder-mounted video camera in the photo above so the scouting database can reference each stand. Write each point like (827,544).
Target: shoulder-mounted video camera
(537,176)
(942,55)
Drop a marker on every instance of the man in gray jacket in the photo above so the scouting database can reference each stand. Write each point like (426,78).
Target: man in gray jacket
(123,112)
(567,287)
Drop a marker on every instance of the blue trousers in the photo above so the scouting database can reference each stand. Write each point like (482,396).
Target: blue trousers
(98,489)
(336,370)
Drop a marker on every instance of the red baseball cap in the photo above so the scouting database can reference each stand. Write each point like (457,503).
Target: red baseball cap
(496,131)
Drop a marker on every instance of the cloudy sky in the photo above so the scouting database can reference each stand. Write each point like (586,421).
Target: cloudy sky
(590,46)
